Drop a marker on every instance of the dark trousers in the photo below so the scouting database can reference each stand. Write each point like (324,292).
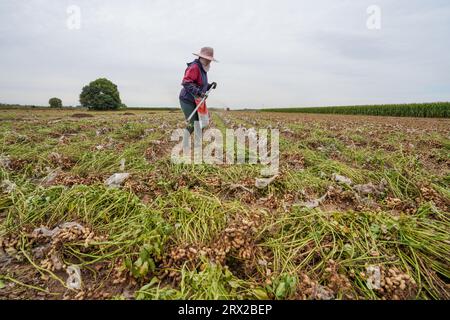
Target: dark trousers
(188,108)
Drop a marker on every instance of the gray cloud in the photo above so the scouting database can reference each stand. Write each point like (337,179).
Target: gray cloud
(284,53)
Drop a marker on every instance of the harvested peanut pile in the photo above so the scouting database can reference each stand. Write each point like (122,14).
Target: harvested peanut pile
(342,198)
(9,248)
(48,243)
(400,206)
(338,281)
(60,161)
(429,194)
(396,285)
(236,240)
(311,290)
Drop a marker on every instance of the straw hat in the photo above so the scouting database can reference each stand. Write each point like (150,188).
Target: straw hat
(206,53)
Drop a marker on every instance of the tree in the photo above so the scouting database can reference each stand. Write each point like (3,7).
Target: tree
(101,94)
(55,103)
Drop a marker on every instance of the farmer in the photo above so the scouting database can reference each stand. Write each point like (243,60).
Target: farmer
(195,84)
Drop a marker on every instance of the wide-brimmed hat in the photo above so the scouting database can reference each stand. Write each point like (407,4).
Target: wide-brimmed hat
(206,53)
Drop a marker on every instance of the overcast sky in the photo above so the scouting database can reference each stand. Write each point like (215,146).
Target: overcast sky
(272,53)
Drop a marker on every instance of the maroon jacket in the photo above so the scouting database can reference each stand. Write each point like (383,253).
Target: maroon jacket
(195,82)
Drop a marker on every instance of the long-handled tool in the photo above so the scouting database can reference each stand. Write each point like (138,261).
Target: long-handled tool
(201,102)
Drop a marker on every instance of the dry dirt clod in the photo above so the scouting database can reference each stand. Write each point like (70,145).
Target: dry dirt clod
(341,179)
(116,180)
(262,183)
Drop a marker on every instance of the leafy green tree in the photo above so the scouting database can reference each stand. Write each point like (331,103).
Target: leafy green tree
(55,103)
(101,94)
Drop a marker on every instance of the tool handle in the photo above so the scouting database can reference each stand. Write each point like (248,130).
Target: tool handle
(201,102)
(195,110)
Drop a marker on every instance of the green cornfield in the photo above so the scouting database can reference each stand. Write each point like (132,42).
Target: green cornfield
(424,110)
